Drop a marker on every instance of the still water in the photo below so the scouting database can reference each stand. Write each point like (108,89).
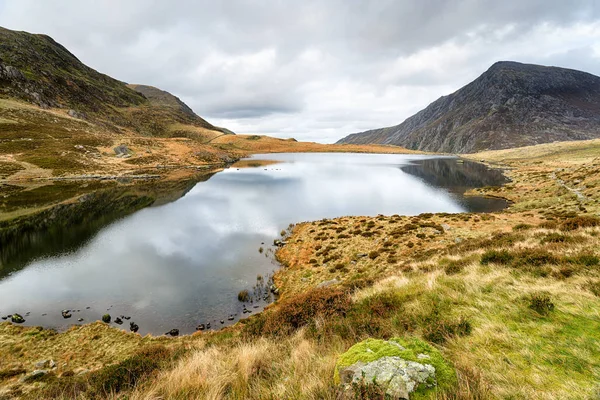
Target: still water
(183,263)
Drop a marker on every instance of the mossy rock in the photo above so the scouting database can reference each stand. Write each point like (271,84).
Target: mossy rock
(410,350)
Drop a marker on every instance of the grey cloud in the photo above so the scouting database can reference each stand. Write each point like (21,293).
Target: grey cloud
(313,69)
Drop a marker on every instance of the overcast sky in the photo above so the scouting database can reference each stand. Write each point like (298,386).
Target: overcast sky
(313,70)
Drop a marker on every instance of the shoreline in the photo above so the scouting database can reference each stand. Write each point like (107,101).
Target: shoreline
(248,163)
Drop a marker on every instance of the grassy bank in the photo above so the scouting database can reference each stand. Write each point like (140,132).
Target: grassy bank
(510,300)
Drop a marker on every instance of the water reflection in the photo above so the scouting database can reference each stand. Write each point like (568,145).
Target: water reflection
(183,263)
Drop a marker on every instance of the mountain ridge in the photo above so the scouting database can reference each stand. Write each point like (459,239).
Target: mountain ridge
(37,69)
(509,105)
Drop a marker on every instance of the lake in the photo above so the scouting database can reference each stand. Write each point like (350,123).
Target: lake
(183,263)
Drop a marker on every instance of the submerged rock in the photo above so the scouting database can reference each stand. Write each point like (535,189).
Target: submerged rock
(200,327)
(173,332)
(17,319)
(398,366)
(118,321)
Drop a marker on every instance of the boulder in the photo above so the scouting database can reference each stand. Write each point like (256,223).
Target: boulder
(328,283)
(121,150)
(173,332)
(76,114)
(400,367)
(133,327)
(33,376)
(10,73)
(66,313)
(106,318)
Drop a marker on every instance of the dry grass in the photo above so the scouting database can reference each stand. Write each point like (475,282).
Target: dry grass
(262,369)
(265,144)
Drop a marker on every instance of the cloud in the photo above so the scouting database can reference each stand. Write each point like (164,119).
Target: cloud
(315,70)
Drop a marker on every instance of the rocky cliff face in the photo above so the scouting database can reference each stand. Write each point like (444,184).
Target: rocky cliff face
(510,105)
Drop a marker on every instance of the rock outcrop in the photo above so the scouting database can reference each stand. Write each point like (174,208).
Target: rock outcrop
(399,367)
(510,105)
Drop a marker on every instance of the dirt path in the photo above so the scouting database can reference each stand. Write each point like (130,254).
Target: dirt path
(580,196)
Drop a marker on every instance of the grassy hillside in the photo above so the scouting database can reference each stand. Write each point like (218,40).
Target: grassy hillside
(510,300)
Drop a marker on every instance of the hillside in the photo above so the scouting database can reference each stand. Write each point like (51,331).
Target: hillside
(510,105)
(171,108)
(39,70)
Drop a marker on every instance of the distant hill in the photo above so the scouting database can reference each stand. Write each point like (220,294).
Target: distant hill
(36,69)
(510,105)
(178,110)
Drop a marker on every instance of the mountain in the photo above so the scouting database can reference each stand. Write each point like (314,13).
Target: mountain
(510,105)
(36,69)
(175,109)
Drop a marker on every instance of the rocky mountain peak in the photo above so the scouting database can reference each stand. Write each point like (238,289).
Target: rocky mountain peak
(510,105)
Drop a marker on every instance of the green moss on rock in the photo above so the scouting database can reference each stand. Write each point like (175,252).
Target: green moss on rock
(410,349)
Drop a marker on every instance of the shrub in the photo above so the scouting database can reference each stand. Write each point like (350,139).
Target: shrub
(373,254)
(243,296)
(541,303)
(375,315)
(126,374)
(555,238)
(313,261)
(9,373)
(300,311)
(502,257)
(455,266)
(582,221)
(521,227)
(585,259)
(565,272)
(534,258)
(548,225)
(379,305)
(439,331)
